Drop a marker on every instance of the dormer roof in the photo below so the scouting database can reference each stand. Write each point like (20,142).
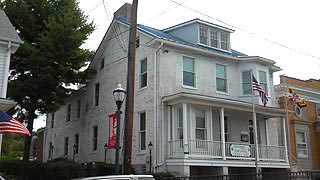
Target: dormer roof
(199,21)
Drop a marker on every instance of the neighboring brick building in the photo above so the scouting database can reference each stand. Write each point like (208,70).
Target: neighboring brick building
(304,123)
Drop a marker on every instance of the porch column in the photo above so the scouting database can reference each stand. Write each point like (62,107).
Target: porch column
(223,141)
(285,138)
(185,129)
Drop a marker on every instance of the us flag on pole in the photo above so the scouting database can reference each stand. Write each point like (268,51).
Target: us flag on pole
(9,125)
(256,87)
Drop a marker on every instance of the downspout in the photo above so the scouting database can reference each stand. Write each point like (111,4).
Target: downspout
(155,105)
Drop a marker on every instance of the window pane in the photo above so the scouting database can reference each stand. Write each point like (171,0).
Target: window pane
(246,76)
(262,77)
(300,137)
(200,134)
(247,88)
(143,141)
(143,66)
(221,85)
(180,118)
(143,80)
(200,118)
(188,79)
(221,71)
(213,38)
(203,35)
(188,64)
(224,41)
(142,121)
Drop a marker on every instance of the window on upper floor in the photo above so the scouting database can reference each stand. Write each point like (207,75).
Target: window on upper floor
(66,146)
(189,71)
(68,113)
(52,120)
(301,142)
(224,38)
(203,35)
(95,138)
(246,83)
(263,81)
(142,131)
(76,144)
(221,78)
(214,38)
(143,73)
(78,108)
(137,41)
(96,94)
(102,64)
(318,111)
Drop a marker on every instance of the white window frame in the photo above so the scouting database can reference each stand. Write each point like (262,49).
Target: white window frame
(142,132)
(143,73)
(227,44)
(192,72)
(263,84)
(205,128)
(214,37)
(302,143)
(203,33)
(222,78)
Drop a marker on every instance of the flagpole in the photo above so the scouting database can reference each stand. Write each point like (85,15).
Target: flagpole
(254,126)
(288,153)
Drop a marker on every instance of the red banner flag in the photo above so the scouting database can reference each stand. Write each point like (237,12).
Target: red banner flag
(112,131)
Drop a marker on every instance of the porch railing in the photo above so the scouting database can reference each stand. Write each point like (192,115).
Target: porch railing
(234,150)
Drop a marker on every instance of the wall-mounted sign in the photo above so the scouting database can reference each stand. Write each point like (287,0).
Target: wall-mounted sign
(240,150)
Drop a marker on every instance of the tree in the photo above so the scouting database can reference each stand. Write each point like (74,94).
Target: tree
(49,59)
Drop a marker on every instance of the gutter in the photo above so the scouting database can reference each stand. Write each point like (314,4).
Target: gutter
(155,104)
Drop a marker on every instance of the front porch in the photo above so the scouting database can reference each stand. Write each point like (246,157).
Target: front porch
(205,149)
(221,132)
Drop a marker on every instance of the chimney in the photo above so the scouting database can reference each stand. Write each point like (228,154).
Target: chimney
(124,12)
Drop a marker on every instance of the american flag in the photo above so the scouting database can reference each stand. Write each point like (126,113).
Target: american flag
(9,125)
(256,87)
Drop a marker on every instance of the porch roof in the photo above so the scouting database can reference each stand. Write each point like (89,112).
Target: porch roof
(184,97)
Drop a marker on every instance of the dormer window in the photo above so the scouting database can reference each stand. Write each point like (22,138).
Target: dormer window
(214,38)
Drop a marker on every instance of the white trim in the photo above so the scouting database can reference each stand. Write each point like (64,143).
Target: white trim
(222,136)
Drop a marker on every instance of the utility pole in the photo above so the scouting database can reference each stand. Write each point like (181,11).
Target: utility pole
(130,90)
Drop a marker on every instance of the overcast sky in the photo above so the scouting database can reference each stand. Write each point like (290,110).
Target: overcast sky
(286,31)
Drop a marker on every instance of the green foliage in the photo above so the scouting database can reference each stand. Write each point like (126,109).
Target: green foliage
(50,57)
(12,145)
(52,170)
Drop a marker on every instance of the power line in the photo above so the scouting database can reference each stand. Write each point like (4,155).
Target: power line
(94,7)
(235,27)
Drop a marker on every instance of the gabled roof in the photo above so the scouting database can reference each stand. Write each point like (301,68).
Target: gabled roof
(161,34)
(7,31)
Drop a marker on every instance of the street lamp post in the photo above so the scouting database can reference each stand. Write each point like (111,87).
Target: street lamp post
(105,152)
(150,146)
(119,94)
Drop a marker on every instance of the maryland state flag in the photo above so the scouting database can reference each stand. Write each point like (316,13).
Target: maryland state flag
(293,96)
(302,103)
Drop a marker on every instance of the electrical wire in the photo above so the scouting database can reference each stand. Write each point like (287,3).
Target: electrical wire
(255,35)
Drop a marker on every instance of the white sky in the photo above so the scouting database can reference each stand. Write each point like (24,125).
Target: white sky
(292,23)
